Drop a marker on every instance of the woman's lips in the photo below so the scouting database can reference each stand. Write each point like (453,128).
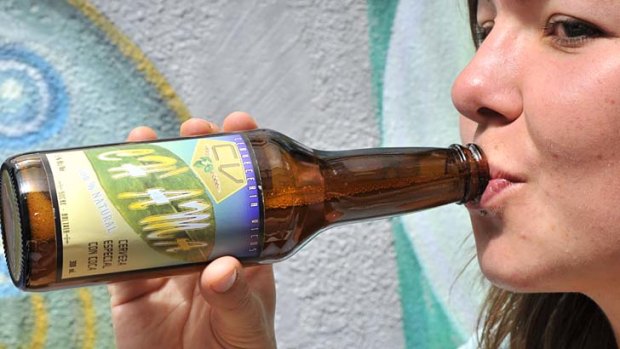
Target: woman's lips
(500,181)
(495,186)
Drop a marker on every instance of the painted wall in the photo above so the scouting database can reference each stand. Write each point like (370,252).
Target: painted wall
(332,74)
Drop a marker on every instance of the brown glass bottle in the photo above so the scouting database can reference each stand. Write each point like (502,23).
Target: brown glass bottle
(300,192)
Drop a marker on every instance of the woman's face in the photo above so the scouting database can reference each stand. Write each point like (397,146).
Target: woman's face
(542,98)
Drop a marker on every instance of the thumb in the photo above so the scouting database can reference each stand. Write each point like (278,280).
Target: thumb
(239,317)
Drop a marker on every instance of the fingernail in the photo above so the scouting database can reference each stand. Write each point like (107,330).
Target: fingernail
(225,283)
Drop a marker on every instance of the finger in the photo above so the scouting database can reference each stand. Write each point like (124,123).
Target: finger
(262,281)
(236,308)
(239,121)
(196,127)
(141,133)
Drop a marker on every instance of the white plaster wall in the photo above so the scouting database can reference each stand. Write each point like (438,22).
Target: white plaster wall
(300,67)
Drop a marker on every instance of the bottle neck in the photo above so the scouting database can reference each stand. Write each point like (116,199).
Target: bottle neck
(374,183)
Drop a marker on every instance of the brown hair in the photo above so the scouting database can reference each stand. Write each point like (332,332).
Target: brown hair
(540,320)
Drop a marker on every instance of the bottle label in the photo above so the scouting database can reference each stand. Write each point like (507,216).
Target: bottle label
(149,205)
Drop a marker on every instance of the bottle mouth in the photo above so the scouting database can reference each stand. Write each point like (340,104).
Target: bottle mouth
(12,238)
(476,169)
(481,177)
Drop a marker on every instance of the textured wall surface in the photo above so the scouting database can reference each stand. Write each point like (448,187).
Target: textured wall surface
(332,74)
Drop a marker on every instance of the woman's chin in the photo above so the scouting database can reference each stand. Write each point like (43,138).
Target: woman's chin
(515,277)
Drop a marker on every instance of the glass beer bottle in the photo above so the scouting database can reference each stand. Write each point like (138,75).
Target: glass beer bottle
(80,216)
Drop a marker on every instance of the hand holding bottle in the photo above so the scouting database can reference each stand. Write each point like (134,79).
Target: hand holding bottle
(224,306)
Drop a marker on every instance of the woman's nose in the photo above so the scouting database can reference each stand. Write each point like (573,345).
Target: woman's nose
(488,90)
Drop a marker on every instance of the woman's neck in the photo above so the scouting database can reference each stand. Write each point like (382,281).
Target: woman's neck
(609,301)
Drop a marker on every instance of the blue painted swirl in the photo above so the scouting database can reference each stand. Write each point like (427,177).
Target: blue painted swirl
(34,102)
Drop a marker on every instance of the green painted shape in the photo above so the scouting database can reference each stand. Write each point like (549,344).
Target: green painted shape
(380,19)
(64,317)
(104,338)
(66,321)
(17,322)
(425,322)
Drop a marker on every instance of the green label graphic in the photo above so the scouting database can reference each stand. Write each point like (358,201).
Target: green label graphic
(149,205)
(167,206)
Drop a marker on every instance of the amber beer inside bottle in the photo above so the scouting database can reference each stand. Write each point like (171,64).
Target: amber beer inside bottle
(304,191)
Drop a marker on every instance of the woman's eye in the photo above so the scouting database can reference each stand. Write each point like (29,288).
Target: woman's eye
(571,32)
(481,31)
